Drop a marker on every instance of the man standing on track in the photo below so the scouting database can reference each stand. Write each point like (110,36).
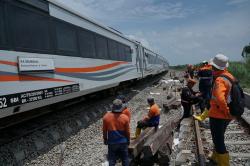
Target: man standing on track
(116,134)
(219,113)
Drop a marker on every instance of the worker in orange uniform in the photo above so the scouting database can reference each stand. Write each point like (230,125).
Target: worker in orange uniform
(126,110)
(116,134)
(151,120)
(219,113)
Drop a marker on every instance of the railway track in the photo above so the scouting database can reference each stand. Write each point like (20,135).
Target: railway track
(37,136)
(237,139)
(193,142)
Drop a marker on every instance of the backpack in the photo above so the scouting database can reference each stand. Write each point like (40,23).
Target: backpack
(237,104)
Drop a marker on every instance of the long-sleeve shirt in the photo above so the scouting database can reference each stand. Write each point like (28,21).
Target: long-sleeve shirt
(116,128)
(188,96)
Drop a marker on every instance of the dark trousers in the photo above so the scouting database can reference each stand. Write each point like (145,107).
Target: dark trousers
(187,110)
(118,151)
(218,129)
(206,95)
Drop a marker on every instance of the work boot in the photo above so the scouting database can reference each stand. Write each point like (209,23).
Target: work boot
(213,157)
(202,117)
(137,133)
(223,159)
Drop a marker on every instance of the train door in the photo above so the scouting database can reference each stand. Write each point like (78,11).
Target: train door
(140,57)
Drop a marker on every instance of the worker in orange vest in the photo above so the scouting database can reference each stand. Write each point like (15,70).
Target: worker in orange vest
(151,120)
(126,110)
(116,134)
(219,114)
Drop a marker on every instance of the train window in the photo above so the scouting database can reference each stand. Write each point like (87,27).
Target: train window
(128,54)
(101,47)
(2,34)
(121,52)
(66,38)
(30,28)
(113,50)
(87,44)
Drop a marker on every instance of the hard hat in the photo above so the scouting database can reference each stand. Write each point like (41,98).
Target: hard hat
(122,98)
(204,62)
(220,61)
(117,106)
(150,99)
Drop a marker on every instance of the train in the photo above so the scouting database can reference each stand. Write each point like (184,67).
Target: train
(50,53)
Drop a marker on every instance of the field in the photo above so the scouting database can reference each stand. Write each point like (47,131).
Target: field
(241,70)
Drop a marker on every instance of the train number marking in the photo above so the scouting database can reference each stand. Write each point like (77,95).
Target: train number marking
(3,102)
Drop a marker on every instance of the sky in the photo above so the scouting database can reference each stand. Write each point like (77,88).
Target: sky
(183,31)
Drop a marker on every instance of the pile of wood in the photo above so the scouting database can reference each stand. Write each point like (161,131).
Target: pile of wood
(154,145)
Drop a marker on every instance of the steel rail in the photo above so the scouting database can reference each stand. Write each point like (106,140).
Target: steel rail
(199,146)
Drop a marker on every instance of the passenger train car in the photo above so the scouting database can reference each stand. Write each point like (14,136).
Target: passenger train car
(49,53)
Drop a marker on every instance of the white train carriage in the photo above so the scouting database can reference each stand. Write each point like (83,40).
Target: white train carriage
(49,53)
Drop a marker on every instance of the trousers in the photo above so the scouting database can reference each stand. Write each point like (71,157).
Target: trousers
(118,151)
(206,95)
(218,128)
(187,110)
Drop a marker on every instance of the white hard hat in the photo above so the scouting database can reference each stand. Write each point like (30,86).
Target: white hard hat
(220,61)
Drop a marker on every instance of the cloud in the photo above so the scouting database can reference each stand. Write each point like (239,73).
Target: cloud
(183,32)
(141,39)
(236,2)
(202,40)
(130,9)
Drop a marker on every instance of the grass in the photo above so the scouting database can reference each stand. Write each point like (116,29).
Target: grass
(241,70)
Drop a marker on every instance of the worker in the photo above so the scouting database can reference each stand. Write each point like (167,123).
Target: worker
(126,110)
(189,97)
(205,84)
(190,70)
(116,134)
(219,115)
(151,120)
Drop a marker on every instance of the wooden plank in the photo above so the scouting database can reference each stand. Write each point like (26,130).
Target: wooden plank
(136,146)
(155,141)
(228,132)
(160,138)
(240,155)
(234,142)
(171,104)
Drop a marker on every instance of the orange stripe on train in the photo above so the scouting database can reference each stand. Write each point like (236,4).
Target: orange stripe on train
(89,69)
(8,63)
(74,70)
(7,78)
